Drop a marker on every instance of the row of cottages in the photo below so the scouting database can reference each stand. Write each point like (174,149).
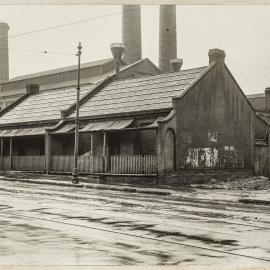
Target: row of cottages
(134,123)
(91,72)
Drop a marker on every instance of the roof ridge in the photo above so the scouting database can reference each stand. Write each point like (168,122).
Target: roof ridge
(171,74)
(66,87)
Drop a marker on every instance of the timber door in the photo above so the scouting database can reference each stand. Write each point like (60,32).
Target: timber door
(169,153)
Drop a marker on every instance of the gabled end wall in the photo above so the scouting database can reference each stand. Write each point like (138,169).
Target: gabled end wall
(215,124)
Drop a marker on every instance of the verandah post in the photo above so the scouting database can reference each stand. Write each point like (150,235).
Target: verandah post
(47,152)
(2,148)
(10,153)
(104,151)
(92,143)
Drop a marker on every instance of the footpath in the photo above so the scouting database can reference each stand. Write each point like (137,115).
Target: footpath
(230,192)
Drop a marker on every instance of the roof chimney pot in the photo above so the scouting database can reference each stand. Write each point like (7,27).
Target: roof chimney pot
(176,64)
(117,52)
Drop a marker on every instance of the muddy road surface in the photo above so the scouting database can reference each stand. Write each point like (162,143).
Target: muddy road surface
(54,225)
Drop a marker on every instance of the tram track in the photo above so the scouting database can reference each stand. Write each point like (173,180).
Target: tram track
(186,215)
(5,213)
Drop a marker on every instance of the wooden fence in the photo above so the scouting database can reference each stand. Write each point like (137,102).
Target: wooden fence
(133,164)
(91,164)
(117,164)
(5,163)
(61,163)
(261,160)
(88,164)
(28,163)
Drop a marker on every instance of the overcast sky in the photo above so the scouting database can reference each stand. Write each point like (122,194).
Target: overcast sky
(242,31)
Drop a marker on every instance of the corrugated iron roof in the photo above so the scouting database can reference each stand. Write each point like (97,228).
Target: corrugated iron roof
(264,116)
(65,128)
(45,105)
(134,95)
(260,95)
(107,125)
(60,70)
(23,131)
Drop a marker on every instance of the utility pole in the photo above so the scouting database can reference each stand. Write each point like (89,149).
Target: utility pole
(75,175)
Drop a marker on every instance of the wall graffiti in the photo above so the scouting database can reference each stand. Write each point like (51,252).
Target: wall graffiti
(224,157)
(214,155)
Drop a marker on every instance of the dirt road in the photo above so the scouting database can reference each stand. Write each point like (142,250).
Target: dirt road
(54,225)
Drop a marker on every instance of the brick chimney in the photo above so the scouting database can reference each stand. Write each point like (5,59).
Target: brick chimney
(32,89)
(4,65)
(267,99)
(216,55)
(131,33)
(167,36)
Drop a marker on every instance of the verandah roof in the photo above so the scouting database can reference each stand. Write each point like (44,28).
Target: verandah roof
(23,131)
(96,126)
(107,125)
(65,128)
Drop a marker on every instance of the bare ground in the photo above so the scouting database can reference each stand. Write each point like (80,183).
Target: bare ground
(238,183)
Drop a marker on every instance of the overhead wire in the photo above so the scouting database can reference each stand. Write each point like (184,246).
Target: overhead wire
(41,51)
(56,27)
(66,24)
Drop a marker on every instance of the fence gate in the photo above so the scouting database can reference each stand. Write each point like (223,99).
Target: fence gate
(261,160)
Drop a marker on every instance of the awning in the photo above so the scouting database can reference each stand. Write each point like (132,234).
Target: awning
(8,132)
(23,132)
(107,125)
(155,123)
(65,128)
(162,119)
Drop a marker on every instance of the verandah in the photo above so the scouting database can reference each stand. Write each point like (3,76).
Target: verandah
(121,152)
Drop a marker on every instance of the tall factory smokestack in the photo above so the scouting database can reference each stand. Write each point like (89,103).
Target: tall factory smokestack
(4,66)
(167,36)
(131,33)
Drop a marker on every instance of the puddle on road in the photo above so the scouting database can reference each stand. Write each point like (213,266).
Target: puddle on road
(125,245)
(206,240)
(127,260)
(5,207)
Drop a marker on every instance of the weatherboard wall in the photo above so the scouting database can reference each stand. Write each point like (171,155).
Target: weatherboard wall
(215,124)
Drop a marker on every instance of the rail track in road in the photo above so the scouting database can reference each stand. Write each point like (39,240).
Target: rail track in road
(134,235)
(110,196)
(109,217)
(203,203)
(136,212)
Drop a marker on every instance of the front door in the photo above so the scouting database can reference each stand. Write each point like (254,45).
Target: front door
(169,151)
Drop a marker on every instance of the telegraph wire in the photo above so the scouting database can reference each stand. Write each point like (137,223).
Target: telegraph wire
(41,51)
(55,27)
(66,24)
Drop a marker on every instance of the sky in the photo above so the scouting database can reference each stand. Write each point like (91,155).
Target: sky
(243,31)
